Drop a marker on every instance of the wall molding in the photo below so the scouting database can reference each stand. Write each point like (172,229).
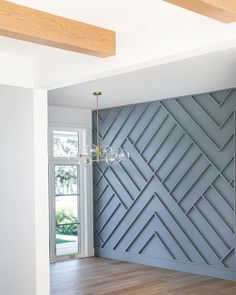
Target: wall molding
(173,265)
(172,204)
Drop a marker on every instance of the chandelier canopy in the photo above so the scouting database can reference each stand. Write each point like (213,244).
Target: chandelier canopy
(99,153)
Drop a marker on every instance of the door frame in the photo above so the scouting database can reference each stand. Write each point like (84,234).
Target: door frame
(85,194)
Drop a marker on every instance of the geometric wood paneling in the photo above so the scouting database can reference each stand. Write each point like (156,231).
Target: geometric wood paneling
(173,202)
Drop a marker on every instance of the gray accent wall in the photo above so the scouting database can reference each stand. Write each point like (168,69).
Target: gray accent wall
(172,204)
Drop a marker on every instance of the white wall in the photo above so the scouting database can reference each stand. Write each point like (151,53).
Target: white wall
(78,118)
(16,70)
(21,114)
(59,114)
(41,191)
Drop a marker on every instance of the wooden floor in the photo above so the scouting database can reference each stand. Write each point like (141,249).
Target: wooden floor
(97,276)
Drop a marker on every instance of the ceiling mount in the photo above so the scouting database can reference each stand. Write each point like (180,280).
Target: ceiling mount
(97,93)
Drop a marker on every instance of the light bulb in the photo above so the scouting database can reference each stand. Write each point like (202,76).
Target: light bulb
(122,155)
(104,149)
(93,149)
(111,159)
(89,150)
(85,161)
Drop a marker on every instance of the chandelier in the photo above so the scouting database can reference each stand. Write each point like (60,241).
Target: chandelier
(99,153)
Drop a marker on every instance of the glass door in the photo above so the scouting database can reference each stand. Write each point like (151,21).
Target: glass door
(66,209)
(64,195)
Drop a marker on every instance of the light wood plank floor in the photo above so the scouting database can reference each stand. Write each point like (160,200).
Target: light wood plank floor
(97,276)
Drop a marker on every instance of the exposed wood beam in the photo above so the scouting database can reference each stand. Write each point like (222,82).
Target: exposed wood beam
(222,10)
(35,26)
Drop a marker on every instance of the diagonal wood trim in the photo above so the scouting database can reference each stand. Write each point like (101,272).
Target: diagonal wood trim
(182,172)
(224,11)
(35,26)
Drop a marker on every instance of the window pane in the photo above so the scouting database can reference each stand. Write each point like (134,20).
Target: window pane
(66,244)
(66,209)
(66,179)
(65,144)
(66,225)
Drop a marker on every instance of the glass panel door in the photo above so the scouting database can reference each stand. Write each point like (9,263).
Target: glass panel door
(66,209)
(64,195)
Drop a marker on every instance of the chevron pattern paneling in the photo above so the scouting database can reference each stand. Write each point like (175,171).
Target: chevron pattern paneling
(173,203)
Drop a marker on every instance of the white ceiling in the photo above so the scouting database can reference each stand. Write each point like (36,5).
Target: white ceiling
(150,34)
(117,15)
(194,75)
(25,49)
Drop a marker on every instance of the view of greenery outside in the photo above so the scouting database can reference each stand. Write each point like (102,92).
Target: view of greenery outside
(66,179)
(65,144)
(64,217)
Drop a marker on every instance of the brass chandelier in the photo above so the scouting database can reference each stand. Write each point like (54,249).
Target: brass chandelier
(98,153)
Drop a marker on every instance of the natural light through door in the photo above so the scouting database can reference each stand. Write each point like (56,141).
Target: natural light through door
(64,194)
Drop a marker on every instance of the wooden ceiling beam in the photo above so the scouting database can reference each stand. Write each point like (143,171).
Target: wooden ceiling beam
(222,10)
(35,26)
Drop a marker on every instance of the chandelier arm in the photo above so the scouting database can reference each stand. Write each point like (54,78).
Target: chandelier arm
(83,155)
